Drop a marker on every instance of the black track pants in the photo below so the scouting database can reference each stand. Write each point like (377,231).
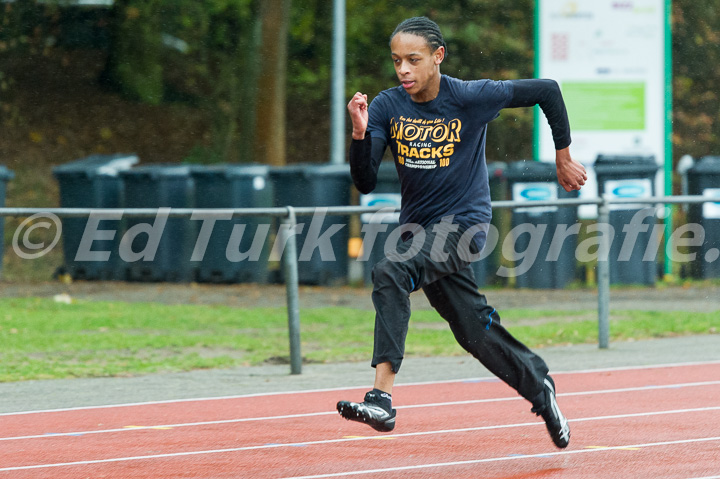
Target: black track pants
(436,267)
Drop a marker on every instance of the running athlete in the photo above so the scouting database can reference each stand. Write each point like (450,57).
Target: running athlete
(435,126)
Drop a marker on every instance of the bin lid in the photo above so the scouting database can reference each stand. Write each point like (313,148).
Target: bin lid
(157,170)
(227,170)
(528,170)
(625,164)
(106,165)
(706,165)
(6,174)
(496,169)
(313,170)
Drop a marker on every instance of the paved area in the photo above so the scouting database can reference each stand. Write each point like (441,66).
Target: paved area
(54,394)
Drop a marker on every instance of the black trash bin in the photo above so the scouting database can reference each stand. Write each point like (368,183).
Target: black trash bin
(5,176)
(627,176)
(234,186)
(485,269)
(554,264)
(377,227)
(153,251)
(704,179)
(317,185)
(92,182)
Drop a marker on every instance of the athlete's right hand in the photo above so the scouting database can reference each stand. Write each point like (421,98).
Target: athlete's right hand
(358,109)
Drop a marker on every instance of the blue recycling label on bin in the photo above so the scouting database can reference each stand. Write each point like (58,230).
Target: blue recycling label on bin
(628,191)
(536,194)
(537,191)
(711,210)
(381,200)
(630,188)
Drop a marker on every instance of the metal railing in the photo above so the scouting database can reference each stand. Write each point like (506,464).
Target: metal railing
(288,216)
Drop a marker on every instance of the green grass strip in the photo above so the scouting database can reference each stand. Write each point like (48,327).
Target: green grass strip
(42,339)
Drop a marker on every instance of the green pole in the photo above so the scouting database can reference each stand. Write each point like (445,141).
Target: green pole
(668,133)
(536,109)
(338,100)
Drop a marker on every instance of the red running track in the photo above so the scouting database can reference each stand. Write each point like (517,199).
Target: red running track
(657,422)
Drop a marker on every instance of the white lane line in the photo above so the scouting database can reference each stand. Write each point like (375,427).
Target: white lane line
(577,393)
(327,413)
(508,458)
(351,388)
(354,439)
(167,426)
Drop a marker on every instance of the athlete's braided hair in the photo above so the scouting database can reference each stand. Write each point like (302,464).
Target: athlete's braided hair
(422,27)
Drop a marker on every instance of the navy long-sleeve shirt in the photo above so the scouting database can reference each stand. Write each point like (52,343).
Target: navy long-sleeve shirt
(439,146)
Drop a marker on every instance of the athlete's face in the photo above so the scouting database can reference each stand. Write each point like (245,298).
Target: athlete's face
(417,67)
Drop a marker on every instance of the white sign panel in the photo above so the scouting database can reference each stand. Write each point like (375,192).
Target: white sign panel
(609,58)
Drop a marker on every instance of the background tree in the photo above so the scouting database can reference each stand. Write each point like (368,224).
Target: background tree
(134,61)
(207,54)
(23,27)
(696,74)
(485,39)
(272,87)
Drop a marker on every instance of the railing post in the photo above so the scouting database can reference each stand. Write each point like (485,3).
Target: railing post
(290,270)
(603,276)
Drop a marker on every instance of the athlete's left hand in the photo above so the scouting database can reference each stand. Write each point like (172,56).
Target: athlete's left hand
(571,174)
